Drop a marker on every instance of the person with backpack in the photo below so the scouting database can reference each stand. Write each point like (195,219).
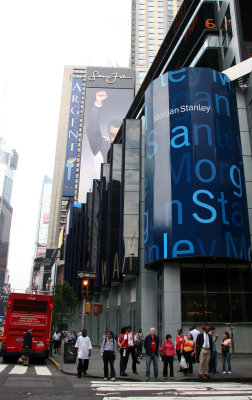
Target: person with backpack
(108,353)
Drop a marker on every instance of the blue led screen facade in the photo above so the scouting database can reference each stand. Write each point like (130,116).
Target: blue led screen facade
(195,198)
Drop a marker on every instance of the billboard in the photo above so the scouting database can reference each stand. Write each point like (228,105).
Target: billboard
(195,197)
(109,93)
(72,138)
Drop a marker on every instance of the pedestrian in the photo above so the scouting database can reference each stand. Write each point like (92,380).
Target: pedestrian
(129,341)
(225,350)
(84,347)
(178,341)
(214,357)
(71,337)
(139,342)
(26,348)
(151,345)
(108,353)
(169,356)
(188,351)
(204,346)
(123,352)
(194,331)
(56,341)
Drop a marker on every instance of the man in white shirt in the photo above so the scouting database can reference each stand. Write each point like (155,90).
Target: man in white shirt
(56,341)
(194,332)
(84,346)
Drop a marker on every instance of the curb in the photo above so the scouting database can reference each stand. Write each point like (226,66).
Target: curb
(213,379)
(53,361)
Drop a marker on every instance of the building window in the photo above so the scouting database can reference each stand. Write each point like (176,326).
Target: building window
(151,24)
(151,30)
(141,76)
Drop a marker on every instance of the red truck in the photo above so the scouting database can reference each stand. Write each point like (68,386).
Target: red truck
(24,310)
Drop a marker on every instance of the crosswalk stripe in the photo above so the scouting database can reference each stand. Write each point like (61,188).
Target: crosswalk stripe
(204,391)
(240,397)
(19,370)
(2,367)
(42,370)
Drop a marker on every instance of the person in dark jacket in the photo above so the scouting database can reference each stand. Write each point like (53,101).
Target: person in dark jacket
(151,345)
(27,346)
(204,346)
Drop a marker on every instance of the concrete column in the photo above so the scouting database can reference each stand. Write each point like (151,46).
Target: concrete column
(112,309)
(147,293)
(171,299)
(102,317)
(125,299)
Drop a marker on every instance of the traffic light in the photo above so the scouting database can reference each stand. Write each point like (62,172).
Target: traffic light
(84,288)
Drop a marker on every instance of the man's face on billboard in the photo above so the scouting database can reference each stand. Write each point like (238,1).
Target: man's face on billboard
(112,132)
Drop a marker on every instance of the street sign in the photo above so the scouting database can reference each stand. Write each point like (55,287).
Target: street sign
(86,275)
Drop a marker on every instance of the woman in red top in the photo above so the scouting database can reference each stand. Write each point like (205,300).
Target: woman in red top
(169,355)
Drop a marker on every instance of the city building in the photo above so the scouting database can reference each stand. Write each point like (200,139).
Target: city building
(36,280)
(93,104)
(150,268)
(8,163)
(150,21)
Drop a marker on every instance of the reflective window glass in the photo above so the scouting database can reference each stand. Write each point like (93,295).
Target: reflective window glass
(131,180)
(131,203)
(132,159)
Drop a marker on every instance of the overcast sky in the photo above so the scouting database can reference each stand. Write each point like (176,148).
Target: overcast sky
(37,39)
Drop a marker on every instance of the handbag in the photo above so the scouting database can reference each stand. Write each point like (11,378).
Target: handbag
(225,349)
(162,353)
(183,364)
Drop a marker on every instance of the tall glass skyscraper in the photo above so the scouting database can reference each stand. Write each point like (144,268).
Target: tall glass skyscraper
(151,19)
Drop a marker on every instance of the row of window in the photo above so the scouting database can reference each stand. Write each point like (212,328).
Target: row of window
(142,28)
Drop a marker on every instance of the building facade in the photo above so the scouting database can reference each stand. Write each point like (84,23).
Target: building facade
(8,164)
(36,279)
(128,235)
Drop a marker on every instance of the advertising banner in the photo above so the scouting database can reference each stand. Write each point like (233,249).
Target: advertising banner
(72,138)
(195,197)
(109,93)
(38,320)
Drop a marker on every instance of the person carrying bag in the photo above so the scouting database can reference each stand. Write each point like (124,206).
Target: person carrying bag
(167,353)
(188,351)
(26,349)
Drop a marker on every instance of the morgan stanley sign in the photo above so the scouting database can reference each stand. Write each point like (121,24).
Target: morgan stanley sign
(195,198)
(72,138)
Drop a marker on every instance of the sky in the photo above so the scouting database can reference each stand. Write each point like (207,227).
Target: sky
(37,39)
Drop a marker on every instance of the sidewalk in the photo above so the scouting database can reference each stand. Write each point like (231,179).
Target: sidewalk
(241,369)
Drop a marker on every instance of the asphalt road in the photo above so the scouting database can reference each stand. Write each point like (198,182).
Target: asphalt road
(44,382)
